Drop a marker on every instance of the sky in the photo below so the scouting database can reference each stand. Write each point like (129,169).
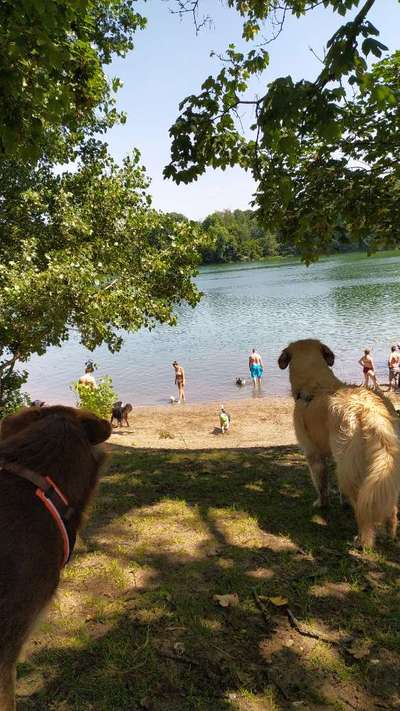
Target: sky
(170,62)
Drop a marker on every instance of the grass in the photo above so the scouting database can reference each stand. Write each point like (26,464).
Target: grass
(134,625)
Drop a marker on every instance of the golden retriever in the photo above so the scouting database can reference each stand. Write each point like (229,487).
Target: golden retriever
(357,426)
(49,466)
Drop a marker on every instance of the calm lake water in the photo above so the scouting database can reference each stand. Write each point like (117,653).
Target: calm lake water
(351,302)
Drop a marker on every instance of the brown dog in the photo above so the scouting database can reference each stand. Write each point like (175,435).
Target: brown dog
(49,467)
(120,412)
(357,426)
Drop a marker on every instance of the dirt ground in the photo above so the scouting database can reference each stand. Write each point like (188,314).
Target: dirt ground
(255,423)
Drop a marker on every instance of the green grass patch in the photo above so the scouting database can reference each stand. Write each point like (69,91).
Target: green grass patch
(135,624)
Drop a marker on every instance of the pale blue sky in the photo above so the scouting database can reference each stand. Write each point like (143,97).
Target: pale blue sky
(170,61)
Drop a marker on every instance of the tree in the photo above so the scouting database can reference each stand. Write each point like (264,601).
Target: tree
(236,236)
(324,152)
(85,251)
(52,80)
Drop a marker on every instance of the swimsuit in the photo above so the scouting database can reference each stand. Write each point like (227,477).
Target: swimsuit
(256,370)
(366,369)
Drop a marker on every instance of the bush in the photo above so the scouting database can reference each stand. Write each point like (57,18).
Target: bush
(12,398)
(98,400)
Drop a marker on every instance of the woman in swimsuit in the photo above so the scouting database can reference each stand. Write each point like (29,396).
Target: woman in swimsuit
(368,369)
(179,380)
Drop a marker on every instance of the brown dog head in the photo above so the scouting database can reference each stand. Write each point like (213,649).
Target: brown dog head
(96,429)
(304,351)
(61,442)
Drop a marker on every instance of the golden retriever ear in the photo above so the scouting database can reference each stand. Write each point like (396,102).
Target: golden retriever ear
(25,417)
(97,429)
(328,355)
(284,359)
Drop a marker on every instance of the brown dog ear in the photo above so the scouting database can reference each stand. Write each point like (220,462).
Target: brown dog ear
(25,417)
(284,359)
(97,429)
(328,355)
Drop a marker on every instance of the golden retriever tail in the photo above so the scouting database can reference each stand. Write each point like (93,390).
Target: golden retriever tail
(370,463)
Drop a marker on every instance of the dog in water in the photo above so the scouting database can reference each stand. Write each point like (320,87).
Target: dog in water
(357,426)
(120,412)
(49,466)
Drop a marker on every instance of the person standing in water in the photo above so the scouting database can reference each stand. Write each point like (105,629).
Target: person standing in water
(368,367)
(88,378)
(393,365)
(256,367)
(180,380)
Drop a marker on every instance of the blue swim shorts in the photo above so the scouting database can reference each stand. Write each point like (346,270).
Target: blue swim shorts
(256,370)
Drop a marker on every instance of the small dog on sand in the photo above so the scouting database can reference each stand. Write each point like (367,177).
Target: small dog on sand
(49,466)
(224,420)
(120,412)
(357,426)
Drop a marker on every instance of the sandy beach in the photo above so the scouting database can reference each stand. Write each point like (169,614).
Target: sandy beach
(263,422)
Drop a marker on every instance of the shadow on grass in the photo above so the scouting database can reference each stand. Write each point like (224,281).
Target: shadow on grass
(171,529)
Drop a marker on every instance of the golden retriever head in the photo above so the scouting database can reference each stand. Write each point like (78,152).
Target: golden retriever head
(306,353)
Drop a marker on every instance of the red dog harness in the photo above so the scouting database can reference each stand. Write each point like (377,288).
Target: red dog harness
(52,498)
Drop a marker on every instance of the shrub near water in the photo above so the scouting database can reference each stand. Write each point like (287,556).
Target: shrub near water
(99,400)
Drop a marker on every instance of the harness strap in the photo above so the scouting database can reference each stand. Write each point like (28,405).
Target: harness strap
(52,498)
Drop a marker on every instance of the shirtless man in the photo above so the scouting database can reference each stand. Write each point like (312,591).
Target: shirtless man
(180,380)
(256,367)
(368,367)
(88,378)
(393,365)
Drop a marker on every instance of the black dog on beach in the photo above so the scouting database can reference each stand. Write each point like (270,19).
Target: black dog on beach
(120,412)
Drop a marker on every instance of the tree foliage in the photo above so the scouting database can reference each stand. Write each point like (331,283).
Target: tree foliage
(52,80)
(80,249)
(324,152)
(236,236)
(84,250)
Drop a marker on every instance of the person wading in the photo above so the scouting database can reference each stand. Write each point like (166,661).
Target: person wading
(256,367)
(180,380)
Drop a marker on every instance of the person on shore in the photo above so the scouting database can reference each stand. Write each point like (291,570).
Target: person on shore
(256,367)
(88,378)
(224,420)
(367,363)
(394,365)
(180,380)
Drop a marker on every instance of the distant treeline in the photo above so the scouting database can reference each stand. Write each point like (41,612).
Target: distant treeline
(236,236)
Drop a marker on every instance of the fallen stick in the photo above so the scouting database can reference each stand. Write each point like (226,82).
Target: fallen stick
(179,658)
(304,633)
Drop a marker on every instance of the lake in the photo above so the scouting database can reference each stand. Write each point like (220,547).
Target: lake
(351,302)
